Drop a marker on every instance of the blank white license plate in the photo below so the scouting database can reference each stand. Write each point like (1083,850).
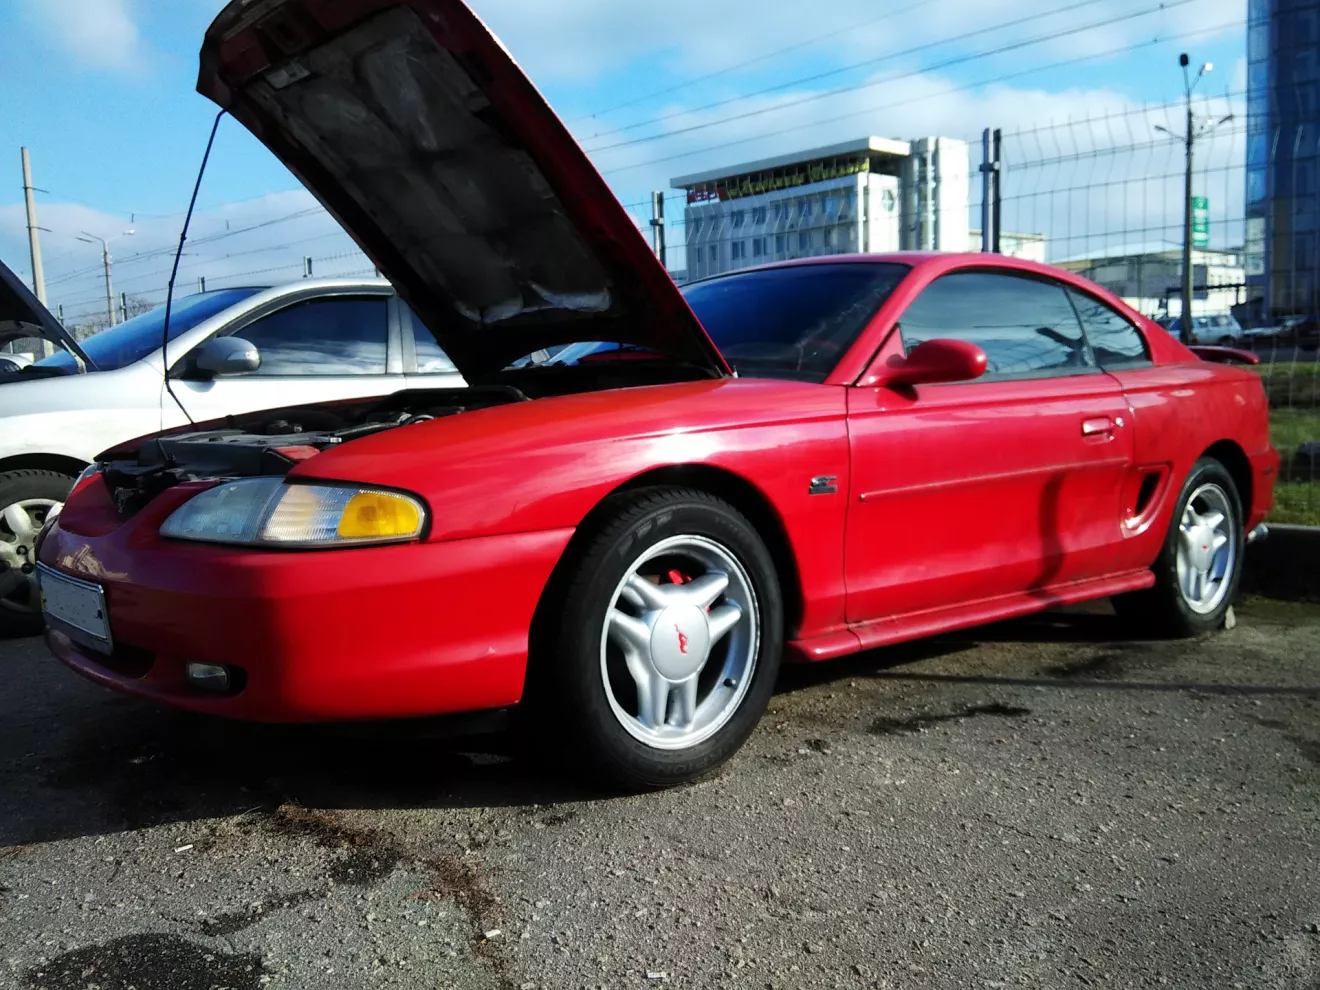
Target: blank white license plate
(76,608)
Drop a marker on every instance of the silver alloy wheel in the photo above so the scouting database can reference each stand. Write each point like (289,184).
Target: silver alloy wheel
(20,522)
(1207,549)
(679,644)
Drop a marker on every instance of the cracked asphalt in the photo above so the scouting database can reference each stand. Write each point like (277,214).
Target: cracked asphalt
(1042,803)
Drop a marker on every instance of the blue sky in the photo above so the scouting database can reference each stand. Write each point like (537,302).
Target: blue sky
(102,93)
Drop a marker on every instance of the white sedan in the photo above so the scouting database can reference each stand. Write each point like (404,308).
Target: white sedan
(230,351)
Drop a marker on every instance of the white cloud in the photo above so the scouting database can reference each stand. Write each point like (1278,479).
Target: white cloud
(581,40)
(261,241)
(99,34)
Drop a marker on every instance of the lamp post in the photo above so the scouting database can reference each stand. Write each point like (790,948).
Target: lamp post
(1192,135)
(105,261)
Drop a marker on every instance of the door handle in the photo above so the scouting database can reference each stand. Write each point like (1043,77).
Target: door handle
(1099,426)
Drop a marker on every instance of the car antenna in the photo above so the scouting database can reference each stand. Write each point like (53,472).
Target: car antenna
(169,295)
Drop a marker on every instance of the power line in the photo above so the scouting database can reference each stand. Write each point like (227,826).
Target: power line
(1123,49)
(829,73)
(162,252)
(958,60)
(746,64)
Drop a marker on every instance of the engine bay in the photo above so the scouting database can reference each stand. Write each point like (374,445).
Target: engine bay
(272,442)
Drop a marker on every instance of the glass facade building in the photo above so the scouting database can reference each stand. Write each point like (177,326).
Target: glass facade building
(1282,256)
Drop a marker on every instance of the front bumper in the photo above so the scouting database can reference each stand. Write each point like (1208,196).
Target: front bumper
(388,632)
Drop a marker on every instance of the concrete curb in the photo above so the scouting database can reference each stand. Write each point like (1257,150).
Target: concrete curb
(1285,565)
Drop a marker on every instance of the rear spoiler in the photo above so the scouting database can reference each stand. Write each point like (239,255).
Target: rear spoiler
(1225,355)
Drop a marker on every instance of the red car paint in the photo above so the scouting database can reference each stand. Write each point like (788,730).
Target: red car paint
(938,506)
(957,504)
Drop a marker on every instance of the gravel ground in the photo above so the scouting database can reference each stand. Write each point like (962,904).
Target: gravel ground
(1041,803)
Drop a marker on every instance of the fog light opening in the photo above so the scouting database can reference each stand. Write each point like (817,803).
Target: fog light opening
(209,677)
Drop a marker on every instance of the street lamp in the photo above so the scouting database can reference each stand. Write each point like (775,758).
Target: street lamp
(1189,85)
(105,261)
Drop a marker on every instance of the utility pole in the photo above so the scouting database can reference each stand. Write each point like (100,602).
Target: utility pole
(34,238)
(105,263)
(1185,329)
(34,243)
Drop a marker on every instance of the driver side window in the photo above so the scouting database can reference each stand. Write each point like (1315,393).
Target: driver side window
(1026,326)
(334,337)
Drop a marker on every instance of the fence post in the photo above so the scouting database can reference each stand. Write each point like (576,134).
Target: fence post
(986,193)
(123,306)
(307,267)
(658,225)
(201,283)
(991,143)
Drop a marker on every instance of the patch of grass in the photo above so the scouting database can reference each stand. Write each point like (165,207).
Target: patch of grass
(1291,384)
(1296,500)
(1291,427)
(1297,503)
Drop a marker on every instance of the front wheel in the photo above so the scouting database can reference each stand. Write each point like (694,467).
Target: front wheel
(666,643)
(27,498)
(1197,572)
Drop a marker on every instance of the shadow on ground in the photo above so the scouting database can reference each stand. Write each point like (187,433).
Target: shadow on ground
(83,762)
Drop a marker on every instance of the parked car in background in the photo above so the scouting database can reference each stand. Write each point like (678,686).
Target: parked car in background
(1220,329)
(1293,332)
(230,351)
(622,545)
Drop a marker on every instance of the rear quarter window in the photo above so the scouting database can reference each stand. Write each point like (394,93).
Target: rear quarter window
(1116,343)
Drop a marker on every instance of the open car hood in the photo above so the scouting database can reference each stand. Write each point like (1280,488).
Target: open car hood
(22,316)
(414,127)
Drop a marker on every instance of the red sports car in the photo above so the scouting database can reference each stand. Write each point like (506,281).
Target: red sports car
(807,459)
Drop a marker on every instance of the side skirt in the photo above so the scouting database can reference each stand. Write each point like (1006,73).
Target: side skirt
(916,625)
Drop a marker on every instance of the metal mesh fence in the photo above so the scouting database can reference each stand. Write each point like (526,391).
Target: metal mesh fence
(1102,196)
(1107,194)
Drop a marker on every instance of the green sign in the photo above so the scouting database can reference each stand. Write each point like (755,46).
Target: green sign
(1200,222)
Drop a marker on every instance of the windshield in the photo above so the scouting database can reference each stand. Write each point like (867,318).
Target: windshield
(793,322)
(134,339)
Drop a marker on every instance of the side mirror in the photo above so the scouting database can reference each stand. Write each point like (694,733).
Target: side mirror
(221,356)
(929,363)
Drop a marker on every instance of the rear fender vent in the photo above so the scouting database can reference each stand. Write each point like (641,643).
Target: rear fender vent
(1143,494)
(1149,485)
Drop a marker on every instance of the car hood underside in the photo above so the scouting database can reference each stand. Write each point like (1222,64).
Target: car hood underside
(415,128)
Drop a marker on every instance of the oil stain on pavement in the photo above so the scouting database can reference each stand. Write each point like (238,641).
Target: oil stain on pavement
(919,723)
(148,962)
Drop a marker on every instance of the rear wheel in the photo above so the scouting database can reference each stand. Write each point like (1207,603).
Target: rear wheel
(27,498)
(666,641)
(1197,572)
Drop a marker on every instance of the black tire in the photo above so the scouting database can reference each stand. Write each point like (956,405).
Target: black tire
(567,694)
(1163,610)
(20,612)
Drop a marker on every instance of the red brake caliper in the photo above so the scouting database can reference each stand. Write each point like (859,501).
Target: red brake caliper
(678,577)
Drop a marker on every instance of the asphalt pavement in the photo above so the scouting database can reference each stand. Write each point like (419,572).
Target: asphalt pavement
(1042,804)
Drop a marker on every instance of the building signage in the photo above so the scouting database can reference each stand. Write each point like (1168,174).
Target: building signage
(756,185)
(1200,221)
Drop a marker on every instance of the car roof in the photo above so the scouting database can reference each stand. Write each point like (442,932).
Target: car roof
(945,261)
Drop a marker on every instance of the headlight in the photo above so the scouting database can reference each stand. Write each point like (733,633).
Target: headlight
(268,512)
